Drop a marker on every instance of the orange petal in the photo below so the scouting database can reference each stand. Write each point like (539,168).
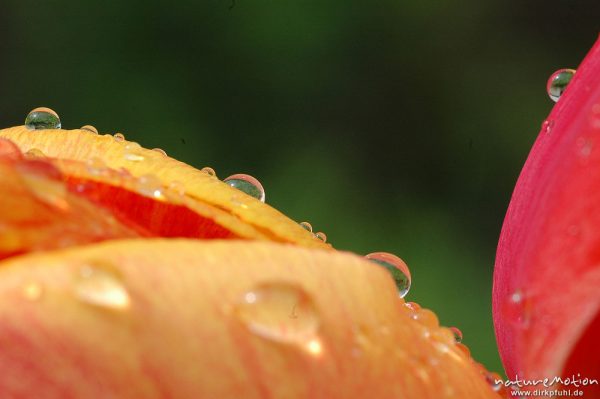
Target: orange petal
(217,319)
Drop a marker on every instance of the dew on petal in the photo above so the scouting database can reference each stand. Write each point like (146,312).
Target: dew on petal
(547,126)
(99,284)
(443,335)
(90,129)
(558,83)
(133,152)
(42,118)
(396,267)
(150,186)
(412,306)
(119,137)
(306,226)
(458,335)
(209,171)
(160,151)
(427,318)
(281,312)
(321,236)
(34,153)
(247,184)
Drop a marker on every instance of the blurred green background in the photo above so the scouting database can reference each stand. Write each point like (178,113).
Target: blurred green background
(396,126)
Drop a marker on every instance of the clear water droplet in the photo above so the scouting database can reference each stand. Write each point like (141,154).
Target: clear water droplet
(558,83)
(281,312)
(396,267)
(35,153)
(516,309)
(150,186)
(321,236)
(90,129)
(33,291)
(119,137)
(306,226)
(98,283)
(247,184)
(547,126)
(458,335)
(160,151)
(42,118)
(427,318)
(132,152)
(209,171)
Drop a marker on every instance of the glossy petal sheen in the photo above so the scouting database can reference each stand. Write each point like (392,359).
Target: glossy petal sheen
(171,323)
(547,277)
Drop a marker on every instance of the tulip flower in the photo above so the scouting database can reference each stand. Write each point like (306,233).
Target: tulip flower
(128,274)
(546,297)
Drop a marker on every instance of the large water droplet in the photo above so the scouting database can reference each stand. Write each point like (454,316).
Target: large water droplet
(99,283)
(396,267)
(248,185)
(558,82)
(90,129)
(42,118)
(281,312)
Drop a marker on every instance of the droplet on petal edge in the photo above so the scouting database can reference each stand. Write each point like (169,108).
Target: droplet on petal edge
(321,236)
(90,129)
(281,312)
(42,118)
(209,171)
(306,226)
(558,83)
(396,267)
(247,184)
(132,152)
(547,126)
(458,335)
(160,151)
(427,318)
(98,284)
(34,153)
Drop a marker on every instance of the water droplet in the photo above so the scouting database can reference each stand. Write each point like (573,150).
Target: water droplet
(396,267)
(247,184)
(10,150)
(517,310)
(42,118)
(209,171)
(90,129)
(96,166)
(547,126)
(558,82)
(427,318)
(33,291)
(119,137)
(133,152)
(160,151)
(494,380)
(35,153)
(99,283)
(458,335)
(412,306)
(306,226)
(281,312)
(150,186)
(321,236)
(443,335)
